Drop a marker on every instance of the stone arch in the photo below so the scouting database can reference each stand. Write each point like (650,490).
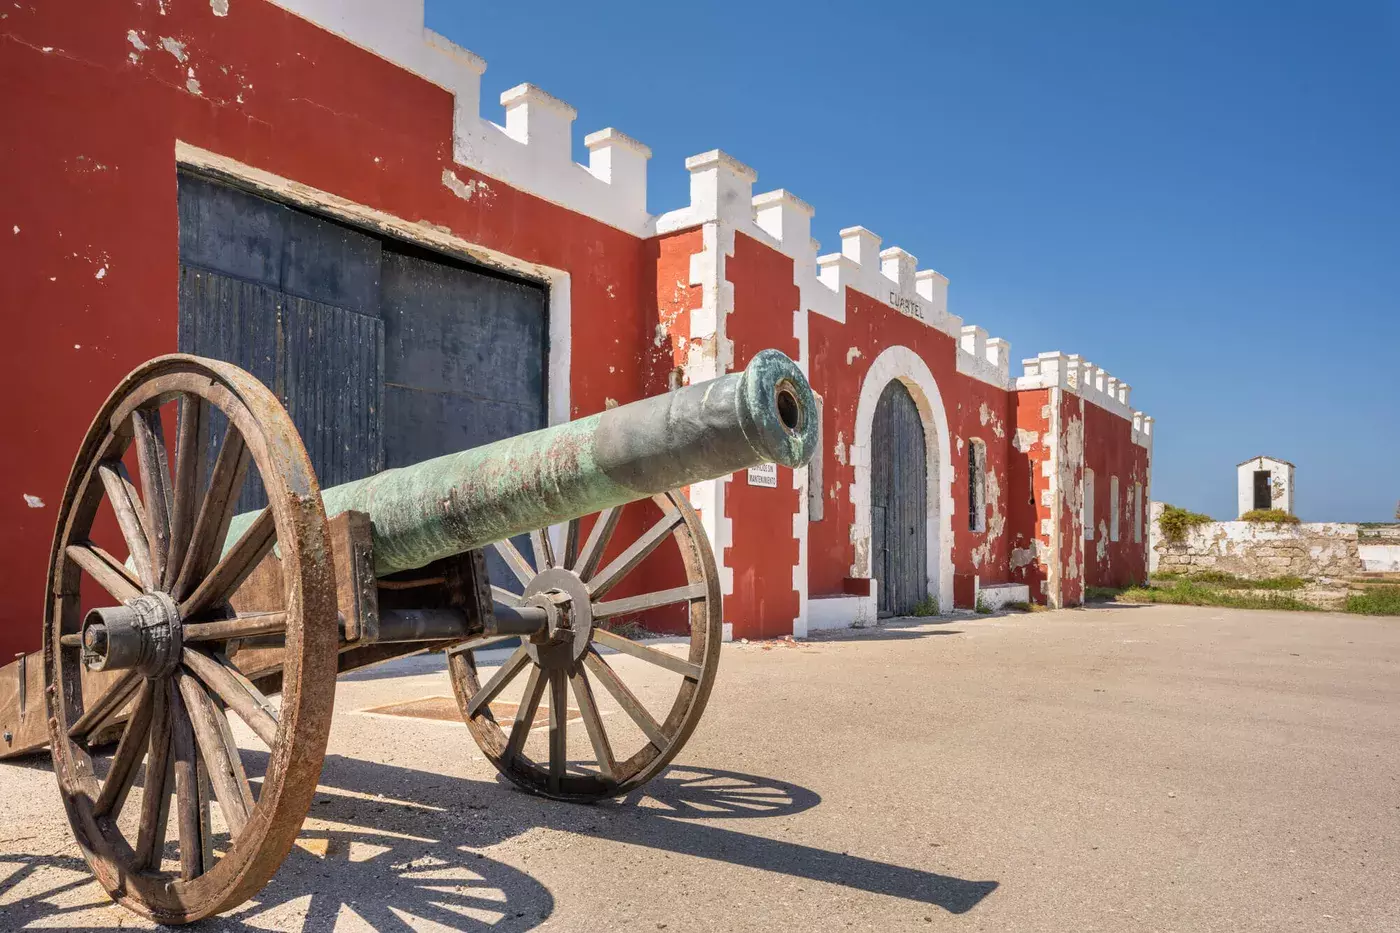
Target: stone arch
(910,369)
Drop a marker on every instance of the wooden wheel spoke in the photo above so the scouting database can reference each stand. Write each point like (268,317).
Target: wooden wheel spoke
(107,704)
(187,809)
(236,691)
(156,486)
(613,573)
(558,728)
(191,448)
(250,548)
(525,714)
(660,658)
(221,758)
(106,570)
(247,626)
(515,561)
(503,595)
(215,513)
(597,734)
(130,750)
(155,799)
(618,607)
(498,681)
(571,534)
(597,543)
(625,698)
(543,548)
(131,518)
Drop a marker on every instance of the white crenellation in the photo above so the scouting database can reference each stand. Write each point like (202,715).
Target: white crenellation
(1090,382)
(619,161)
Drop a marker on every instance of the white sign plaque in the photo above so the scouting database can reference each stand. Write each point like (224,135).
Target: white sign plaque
(765,474)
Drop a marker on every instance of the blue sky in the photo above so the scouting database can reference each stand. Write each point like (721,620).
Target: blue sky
(1202,197)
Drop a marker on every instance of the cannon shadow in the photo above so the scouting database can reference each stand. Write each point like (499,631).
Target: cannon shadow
(396,846)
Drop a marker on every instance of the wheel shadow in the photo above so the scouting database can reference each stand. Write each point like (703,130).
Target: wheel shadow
(397,847)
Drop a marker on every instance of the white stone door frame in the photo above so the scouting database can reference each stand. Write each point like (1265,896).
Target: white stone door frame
(908,367)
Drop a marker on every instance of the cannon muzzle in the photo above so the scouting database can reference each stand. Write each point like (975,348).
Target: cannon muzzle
(458,502)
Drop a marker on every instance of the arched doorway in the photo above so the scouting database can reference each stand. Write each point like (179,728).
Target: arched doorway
(898,502)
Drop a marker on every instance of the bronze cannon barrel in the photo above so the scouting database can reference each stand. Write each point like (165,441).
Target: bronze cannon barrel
(466,500)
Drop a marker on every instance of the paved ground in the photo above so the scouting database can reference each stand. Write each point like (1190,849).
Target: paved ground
(1122,769)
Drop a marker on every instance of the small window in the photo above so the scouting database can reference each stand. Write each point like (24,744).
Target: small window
(1088,510)
(816,498)
(976,485)
(1113,508)
(1137,513)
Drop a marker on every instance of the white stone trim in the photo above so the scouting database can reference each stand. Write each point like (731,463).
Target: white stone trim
(996,596)
(833,612)
(902,363)
(560,353)
(711,354)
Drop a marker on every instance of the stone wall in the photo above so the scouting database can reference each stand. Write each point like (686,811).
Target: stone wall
(1257,550)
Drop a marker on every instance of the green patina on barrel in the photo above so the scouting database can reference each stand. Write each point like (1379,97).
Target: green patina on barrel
(466,500)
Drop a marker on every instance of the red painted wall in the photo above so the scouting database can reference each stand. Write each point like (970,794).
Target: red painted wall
(89,279)
(1029,492)
(1109,451)
(763,549)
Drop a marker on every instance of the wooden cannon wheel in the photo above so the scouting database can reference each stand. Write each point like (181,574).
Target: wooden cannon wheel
(578,666)
(161,634)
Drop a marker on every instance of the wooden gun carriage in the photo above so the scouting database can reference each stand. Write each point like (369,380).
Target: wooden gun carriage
(210,613)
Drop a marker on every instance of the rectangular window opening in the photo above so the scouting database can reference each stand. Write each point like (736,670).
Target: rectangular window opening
(976,486)
(1087,511)
(1113,508)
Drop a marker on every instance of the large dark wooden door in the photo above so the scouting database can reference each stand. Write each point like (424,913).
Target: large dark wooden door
(383,353)
(898,502)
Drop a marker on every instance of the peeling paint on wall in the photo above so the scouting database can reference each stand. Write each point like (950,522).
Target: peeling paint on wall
(173,46)
(34,502)
(220,7)
(464,190)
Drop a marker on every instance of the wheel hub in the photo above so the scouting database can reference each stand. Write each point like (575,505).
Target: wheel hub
(144,635)
(569,608)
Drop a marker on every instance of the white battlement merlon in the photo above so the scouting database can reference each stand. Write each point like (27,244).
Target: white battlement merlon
(1073,364)
(1137,421)
(721,187)
(1110,386)
(1088,378)
(861,247)
(541,121)
(932,287)
(999,354)
(836,270)
(1147,424)
(974,340)
(898,265)
(1101,378)
(786,218)
(1124,391)
(621,161)
(1031,368)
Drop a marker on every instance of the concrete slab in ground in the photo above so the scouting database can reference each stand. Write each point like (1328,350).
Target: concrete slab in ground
(1115,769)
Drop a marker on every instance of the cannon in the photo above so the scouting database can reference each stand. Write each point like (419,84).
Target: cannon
(188,626)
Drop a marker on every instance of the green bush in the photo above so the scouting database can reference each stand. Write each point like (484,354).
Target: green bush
(1375,601)
(1186,592)
(928,606)
(1277,516)
(1175,522)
